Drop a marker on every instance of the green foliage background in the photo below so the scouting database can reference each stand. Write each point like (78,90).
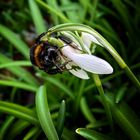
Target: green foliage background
(35,105)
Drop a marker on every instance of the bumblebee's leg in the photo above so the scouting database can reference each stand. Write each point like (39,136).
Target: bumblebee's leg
(54,71)
(63,66)
(65,39)
(68,42)
(57,66)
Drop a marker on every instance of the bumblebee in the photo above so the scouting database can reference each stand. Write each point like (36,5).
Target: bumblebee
(47,56)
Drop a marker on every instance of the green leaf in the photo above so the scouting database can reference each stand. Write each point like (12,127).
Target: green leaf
(37,17)
(31,133)
(71,13)
(44,114)
(78,97)
(91,134)
(86,111)
(18,85)
(59,84)
(120,94)
(17,128)
(18,71)
(15,63)
(125,117)
(61,119)
(52,10)
(5,126)
(54,17)
(18,111)
(98,124)
(15,40)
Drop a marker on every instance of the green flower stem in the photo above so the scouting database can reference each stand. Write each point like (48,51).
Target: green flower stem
(132,76)
(101,40)
(103,98)
(110,77)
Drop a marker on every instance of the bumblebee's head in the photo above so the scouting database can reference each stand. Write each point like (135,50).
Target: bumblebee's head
(36,50)
(44,54)
(38,39)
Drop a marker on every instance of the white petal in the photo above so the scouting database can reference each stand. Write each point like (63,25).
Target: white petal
(70,36)
(80,73)
(77,72)
(88,39)
(87,62)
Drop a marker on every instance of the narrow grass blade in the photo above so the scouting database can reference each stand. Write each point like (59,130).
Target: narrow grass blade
(18,71)
(61,119)
(78,97)
(125,118)
(15,40)
(60,85)
(71,13)
(120,94)
(91,134)
(31,133)
(93,12)
(18,127)
(54,3)
(52,10)
(5,126)
(37,17)
(123,12)
(18,85)
(107,10)
(68,134)
(86,111)
(44,114)
(98,124)
(18,111)
(15,63)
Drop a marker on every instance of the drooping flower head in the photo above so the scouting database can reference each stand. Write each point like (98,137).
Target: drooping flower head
(73,51)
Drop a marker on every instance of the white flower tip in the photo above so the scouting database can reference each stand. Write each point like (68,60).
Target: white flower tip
(108,69)
(88,39)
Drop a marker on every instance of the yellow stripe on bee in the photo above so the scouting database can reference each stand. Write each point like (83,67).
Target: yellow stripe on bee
(36,55)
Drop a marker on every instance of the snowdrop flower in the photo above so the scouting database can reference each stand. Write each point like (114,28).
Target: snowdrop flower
(82,62)
(65,50)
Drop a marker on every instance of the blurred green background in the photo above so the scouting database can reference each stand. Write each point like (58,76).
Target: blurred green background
(28,96)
